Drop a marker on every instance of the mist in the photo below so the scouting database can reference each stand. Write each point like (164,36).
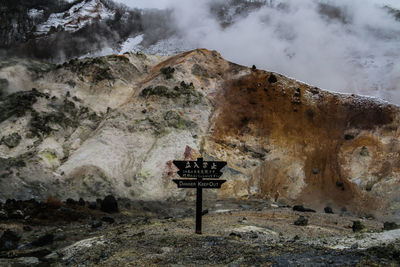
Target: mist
(345,46)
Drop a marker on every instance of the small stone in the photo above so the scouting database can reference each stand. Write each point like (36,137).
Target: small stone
(302,209)
(27,228)
(9,240)
(340,184)
(71,202)
(348,137)
(3,215)
(358,226)
(370,217)
(93,205)
(301,221)
(11,140)
(354,246)
(364,151)
(390,226)
(272,79)
(96,224)
(108,219)
(328,210)
(60,237)
(81,202)
(253,235)
(17,214)
(233,234)
(244,219)
(109,204)
(43,240)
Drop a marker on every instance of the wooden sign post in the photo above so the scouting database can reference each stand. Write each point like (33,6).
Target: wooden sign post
(200,170)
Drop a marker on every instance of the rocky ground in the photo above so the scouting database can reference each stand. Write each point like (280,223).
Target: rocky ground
(235,233)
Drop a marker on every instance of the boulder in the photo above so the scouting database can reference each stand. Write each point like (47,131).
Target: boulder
(108,220)
(301,221)
(11,140)
(328,210)
(109,204)
(96,224)
(3,215)
(387,226)
(358,226)
(43,240)
(302,209)
(9,240)
(17,214)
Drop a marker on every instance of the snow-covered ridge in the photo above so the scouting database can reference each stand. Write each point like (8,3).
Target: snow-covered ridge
(75,18)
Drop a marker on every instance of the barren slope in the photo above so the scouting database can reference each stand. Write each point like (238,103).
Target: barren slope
(283,140)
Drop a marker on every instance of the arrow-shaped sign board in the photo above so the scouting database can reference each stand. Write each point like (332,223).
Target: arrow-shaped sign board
(199,168)
(190,183)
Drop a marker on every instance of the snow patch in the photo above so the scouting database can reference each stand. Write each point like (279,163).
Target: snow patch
(131,44)
(75,18)
(35,13)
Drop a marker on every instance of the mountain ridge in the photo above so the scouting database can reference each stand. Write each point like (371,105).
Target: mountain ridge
(114,124)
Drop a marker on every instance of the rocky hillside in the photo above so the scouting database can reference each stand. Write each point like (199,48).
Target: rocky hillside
(113,125)
(60,30)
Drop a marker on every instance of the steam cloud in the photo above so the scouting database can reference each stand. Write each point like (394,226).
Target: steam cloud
(346,46)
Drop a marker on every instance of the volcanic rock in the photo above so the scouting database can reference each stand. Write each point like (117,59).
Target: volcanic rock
(109,204)
(358,226)
(3,215)
(43,240)
(96,224)
(11,140)
(92,205)
(301,221)
(9,240)
(17,214)
(390,226)
(328,210)
(81,202)
(108,219)
(302,209)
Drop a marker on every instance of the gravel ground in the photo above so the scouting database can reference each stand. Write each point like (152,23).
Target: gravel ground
(235,233)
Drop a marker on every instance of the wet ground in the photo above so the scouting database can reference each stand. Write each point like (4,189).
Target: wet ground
(235,233)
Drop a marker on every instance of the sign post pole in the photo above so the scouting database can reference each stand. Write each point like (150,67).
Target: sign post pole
(199,202)
(199,169)
(199,209)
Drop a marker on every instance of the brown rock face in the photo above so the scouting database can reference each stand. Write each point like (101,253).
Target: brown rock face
(286,139)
